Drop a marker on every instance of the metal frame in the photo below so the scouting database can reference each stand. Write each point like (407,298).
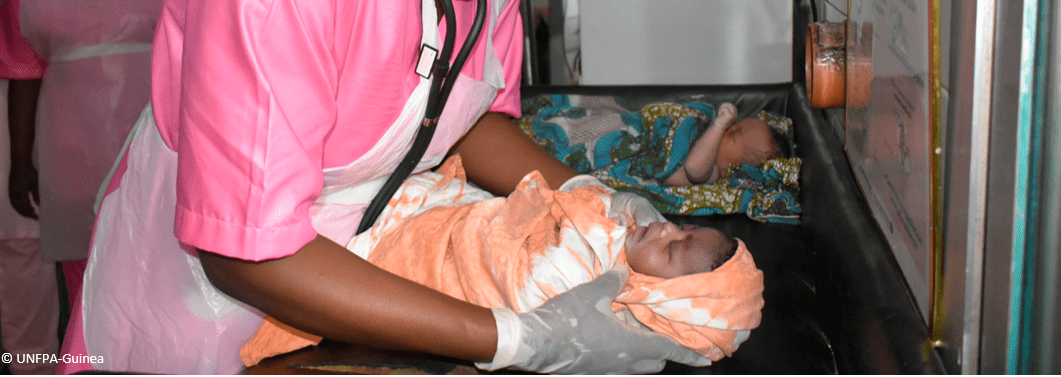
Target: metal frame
(994,331)
(992,215)
(956,173)
(984,228)
(1045,331)
(530,46)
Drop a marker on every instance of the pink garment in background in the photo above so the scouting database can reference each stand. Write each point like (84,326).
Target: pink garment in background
(93,57)
(17,59)
(97,59)
(29,296)
(29,304)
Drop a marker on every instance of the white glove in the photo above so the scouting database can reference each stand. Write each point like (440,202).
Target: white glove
(577,332)
(628,203)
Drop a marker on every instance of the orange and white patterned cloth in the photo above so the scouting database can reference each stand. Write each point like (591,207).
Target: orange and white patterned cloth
(519,251)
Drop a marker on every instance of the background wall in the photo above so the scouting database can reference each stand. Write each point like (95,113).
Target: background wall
(686,41)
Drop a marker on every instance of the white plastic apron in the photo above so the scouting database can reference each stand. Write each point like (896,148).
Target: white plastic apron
(147,306)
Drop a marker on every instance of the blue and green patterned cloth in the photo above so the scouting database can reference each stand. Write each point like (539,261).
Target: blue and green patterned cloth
(635,151)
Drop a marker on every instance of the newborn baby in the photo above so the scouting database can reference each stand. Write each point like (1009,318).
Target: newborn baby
(748,141)
(666,250)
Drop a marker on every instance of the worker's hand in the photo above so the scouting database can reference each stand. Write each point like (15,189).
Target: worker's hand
(21,185)
(577,332)
(633,205)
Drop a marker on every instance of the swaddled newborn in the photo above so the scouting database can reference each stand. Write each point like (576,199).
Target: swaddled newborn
(693,284)
(668,251)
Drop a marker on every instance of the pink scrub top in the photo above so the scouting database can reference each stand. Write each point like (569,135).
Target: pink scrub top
(262,115)
(259,97)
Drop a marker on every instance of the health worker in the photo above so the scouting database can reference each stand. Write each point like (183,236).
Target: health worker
(272,124)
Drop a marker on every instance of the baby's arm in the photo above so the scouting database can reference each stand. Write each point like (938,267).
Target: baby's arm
(700,167)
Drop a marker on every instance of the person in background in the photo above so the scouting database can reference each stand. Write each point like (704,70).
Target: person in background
(92,60)
(29,292)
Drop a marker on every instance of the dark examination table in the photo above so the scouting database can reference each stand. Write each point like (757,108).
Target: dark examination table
(835,299)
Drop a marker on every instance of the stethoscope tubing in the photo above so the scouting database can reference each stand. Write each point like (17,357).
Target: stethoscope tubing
(442,78)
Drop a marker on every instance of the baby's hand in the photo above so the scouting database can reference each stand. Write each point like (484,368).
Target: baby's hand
(727,113)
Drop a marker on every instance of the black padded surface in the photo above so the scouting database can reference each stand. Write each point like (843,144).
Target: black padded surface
(869,314)
(835,301)
(790,339)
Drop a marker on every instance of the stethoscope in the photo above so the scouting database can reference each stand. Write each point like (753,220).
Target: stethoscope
(442,78)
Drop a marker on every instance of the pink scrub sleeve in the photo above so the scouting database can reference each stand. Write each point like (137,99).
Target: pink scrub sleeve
(17,58)
(257,100)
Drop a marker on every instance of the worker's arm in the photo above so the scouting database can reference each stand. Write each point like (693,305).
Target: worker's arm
(326,290)
(22,96)
(496,155)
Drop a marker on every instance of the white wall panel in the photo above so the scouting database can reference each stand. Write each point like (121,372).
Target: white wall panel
(686,41)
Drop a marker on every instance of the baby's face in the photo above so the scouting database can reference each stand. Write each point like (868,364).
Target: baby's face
(749,141)
(666,250)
